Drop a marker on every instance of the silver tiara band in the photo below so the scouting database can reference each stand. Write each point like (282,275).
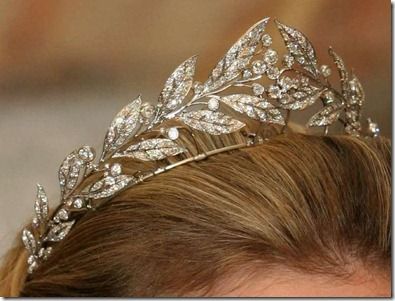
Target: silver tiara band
(276,86)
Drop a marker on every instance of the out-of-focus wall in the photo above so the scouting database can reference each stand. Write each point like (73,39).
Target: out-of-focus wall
(67,66)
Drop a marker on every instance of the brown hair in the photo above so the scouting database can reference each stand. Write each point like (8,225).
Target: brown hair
(306,202)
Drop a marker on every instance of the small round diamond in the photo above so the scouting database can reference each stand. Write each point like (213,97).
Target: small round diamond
(247,74)
(325,70)
(270,57)
(301,59)
(198,87)
(374,129)
(48,251)
(329,97)
(78,203)
(147,110)
(353,86)
(353,100)
(293,48)
(31,259)
(304,81)
(266,40)
(86,153)
(273,73)
(258,89)
(275,91)
(35,223)
(287,83)
(258,67)
(172,104)
(285,99)
(213,104)
(63,214)
(116,169)
(173,133)
(109,181)
(353,115)
(288,60)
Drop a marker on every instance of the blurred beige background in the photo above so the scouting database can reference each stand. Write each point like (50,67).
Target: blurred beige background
(66,67)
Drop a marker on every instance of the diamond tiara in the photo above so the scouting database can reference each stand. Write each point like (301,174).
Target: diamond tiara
(139,131)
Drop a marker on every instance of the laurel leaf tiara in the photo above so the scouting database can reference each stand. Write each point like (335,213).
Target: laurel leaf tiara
(139,131)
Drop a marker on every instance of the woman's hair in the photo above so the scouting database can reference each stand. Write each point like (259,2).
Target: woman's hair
(316,204)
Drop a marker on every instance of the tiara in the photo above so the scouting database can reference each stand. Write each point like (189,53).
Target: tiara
(272,87)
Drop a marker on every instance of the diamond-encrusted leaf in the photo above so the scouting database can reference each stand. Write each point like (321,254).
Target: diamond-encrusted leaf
(152,149)
(299,47)
(326,116)
(29,241)
(58,232)
(237,58)
(69,172)
(122,126)
(177,86)
(214,123)
(300,99)
(254,107)
(356,95)
(41,205)
(343,73)
(354,101)
(108,186)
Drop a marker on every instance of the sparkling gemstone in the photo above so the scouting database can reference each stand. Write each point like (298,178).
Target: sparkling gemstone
(198,87)
(118,120)
(41,253)
(31,259)
(288,60)
(35,223)
(116,169)
(172,104)
(353,100)
(266,40)
(329,97)
(63,214)
(147,110)
(250,111)
(32,267)
(258,89)
(247,74)
(48,250)
(353,115)
(258,67)
(86,153)
(374,129)
(217,71)
(286,83)
(293,48)
(325,70)
(285,99)
(173,133)
(273,73)
(78,203)
(301,60)
(353,86)
(109,181)
(213,104)
(270,57)
(275,91)
(299,94)
(304,81)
